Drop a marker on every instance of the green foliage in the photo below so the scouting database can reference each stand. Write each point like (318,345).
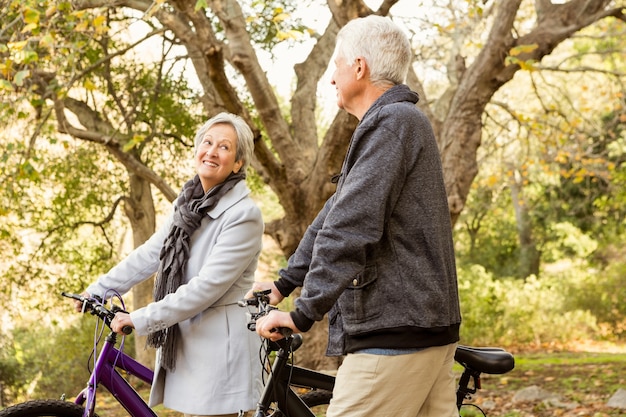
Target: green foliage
(486,233)
(272,22)
(552,179)
(567,242)
(48,361)
(520,312)
(63,196)
(601,292)
(60,220)
(9,368)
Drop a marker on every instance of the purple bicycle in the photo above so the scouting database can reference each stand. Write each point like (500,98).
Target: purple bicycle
(106,373)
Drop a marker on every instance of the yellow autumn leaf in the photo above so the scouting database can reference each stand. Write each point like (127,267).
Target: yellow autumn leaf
(6,68)
(6,85)
(201,4)
(521,49)
(20,76)
(31,16)
(134,142)
(98,21)
(527,65)
(82,26)
(29,28)
(46,41)
(291,34)
(52,9)
(89,85)
(510,60)
(17,46)
(280,17)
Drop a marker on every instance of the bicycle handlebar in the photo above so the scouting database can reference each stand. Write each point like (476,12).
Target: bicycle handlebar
(96,307)
(261,300)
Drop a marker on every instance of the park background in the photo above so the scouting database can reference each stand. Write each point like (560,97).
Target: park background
(100,103)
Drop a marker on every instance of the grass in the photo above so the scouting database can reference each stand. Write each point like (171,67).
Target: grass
(583,381)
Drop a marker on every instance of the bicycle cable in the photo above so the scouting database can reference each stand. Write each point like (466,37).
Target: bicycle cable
(476,406)
(116,295)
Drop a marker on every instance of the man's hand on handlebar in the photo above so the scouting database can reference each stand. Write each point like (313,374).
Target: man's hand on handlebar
(267,325)
(275,296)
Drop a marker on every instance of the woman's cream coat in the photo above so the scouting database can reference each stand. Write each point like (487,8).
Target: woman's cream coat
(217,364)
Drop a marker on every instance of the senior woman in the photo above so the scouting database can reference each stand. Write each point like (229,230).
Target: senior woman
(205,256)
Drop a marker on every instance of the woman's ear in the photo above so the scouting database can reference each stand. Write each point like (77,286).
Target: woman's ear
(238,165)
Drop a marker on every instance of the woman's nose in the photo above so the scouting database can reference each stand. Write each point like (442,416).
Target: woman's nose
(211,150)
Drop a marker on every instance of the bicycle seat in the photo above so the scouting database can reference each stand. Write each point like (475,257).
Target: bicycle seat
(490,360)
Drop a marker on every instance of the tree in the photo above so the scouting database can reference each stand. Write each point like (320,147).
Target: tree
(558,150)
(131,118)
(293,156)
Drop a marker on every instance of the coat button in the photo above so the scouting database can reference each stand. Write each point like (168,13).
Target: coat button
(355,282)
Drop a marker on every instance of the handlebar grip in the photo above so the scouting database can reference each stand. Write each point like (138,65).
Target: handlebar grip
(127,330)
(285,331)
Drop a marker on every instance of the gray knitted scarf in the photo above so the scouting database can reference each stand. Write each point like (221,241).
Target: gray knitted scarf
(191,207)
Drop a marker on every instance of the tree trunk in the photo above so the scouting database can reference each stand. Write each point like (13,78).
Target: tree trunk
(139,209)
(528,258)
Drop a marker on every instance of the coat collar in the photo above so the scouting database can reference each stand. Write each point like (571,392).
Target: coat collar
(238,192)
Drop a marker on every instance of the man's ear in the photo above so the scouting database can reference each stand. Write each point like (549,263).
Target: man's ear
(360,68)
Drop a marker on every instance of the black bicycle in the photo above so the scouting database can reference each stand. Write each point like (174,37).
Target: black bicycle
(293,391)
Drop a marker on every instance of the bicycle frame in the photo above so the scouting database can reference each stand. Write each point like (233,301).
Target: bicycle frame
(105,373)
(284,375)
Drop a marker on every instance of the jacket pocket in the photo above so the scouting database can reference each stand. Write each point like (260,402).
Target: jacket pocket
(361,300)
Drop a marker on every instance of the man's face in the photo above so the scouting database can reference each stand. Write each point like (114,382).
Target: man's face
(344,80)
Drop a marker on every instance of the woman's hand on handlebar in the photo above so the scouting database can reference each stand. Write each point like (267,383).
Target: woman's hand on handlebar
(275,296)
(78,305)
(267,325)
(121,320)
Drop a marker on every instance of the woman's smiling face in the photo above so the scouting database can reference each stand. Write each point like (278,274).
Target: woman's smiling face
(215,155)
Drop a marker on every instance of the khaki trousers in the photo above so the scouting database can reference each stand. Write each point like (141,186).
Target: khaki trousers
(418,384)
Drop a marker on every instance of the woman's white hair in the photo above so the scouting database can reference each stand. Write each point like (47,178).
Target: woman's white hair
(381,42)
(245,137)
